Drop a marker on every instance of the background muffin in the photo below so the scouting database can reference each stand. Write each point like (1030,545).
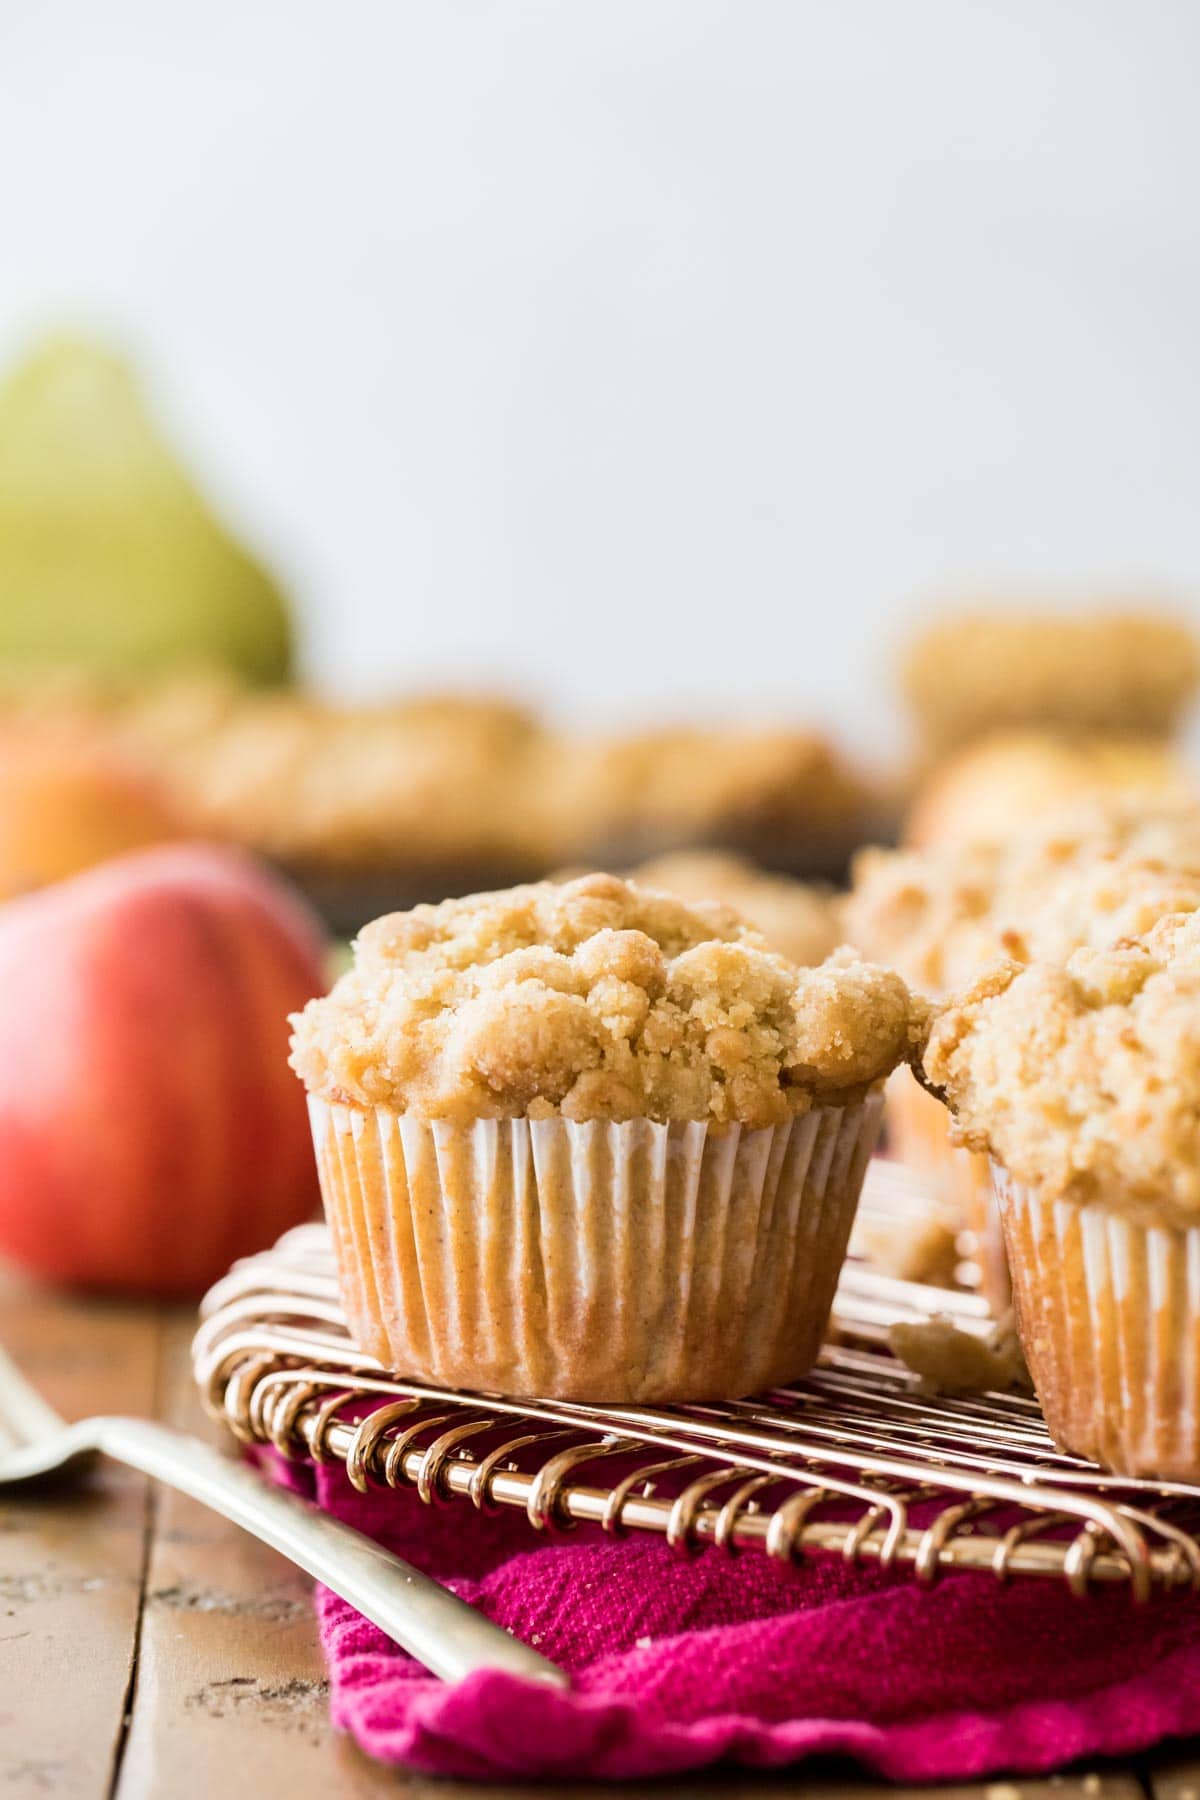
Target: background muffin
(799,919)
(786,798)
(586,1140)
(380,805)
(996,787)
(1126,671)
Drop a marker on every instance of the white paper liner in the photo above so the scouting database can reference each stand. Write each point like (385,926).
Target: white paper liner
(1109,1315)
(599,1261)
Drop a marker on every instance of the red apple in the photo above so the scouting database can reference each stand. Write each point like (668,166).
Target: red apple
(150,1128)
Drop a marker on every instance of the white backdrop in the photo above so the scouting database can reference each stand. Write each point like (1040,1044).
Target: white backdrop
(634,350)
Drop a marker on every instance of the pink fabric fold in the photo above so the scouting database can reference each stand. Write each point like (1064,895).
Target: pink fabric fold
(681,1664)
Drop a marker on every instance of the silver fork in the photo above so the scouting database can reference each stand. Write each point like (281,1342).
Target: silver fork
(435,1626)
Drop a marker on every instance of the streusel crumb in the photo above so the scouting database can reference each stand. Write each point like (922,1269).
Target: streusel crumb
(924,912)
(1084,1080)
(949,1360)
(595,999)
(1093,875)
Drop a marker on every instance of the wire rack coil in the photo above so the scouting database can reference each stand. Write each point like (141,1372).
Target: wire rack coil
(854,1460)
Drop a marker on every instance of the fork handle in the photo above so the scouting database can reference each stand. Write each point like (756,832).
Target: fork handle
(445,1634)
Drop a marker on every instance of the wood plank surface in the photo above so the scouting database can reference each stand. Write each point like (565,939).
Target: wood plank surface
(72,1556)
(230,1685)
(1174,1774)
(147,1648)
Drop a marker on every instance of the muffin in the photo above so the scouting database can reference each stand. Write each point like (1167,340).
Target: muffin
(1083,1084)
(1118,670)
(799,919)
(942,916)
(582,1140)
(365,806)
(785,798)
(996,787)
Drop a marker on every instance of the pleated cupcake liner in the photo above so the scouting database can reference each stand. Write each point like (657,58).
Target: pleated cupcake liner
(1109,1315)
(599,1261)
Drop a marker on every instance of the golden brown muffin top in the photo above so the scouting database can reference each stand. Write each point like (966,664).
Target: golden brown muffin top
(310,781)
(799,919)
(425,779)
(1104,670)
(997,786)
(631,795)
(595,999)
(1084,1080)
(446,780)
(1095,874)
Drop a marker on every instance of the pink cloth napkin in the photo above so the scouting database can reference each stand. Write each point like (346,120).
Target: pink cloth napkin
(680,1664)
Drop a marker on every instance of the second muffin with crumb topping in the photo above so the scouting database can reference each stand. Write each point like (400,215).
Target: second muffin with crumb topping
(1082,1082)
(583,1140)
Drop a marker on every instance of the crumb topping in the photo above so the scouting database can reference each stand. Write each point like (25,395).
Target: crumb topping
(924,913)
(1084,1080)
(941,915)
(595,999)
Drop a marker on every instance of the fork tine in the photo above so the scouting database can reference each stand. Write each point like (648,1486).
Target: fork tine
(24,1416)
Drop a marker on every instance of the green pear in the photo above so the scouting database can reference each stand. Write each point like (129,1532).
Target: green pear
(109,556)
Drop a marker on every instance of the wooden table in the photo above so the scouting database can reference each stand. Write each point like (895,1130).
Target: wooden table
(147,1648)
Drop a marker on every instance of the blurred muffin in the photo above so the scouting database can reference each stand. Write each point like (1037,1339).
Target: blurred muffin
(996,787)
(902,1229)
(301,776)
(581,1140)
(798,919)
(784,798)
(1083,1084)
(1129,672)
(361,804)
(371,807)
(925,912)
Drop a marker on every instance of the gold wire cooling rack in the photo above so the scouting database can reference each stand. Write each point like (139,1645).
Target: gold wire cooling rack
(854,1460)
